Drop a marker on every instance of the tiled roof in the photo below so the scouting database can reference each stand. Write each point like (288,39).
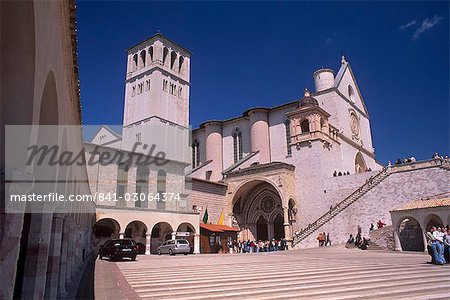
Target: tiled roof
(418,204)
(217,228)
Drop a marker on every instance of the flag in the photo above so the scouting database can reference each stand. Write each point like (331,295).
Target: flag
(205,216)
(221,218)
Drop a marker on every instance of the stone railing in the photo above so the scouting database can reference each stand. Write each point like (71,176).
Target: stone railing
(370,183)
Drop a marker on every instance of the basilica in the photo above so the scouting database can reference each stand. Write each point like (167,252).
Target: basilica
(279,172)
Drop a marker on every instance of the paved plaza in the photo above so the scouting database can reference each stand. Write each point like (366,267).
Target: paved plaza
(321,273)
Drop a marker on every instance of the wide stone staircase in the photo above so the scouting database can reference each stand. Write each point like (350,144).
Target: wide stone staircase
(371,183)
(341,206)
(324,273)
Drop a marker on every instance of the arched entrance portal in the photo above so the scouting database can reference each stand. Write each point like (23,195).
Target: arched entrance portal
(161,232)
(410,235)
(261,229)
(187,228)
(106,229)
(258,210)
(278,229)
(137,231)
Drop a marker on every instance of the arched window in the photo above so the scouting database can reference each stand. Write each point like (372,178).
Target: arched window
(173,57)
(122,182)
(150,53)
(287,128)
(304,125)
(195,154)
(360,163)
(142,174)
(237,145)
(180,63)
(351,94)
(135,62)
(165,53)
(161,188)
(143,57)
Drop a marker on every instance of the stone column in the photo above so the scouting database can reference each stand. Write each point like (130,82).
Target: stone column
(424,236)
(197,243)
(54,257)
(287,229)
(70,252)
(63,261)
(398,245)
(148,238)
(270,230)
(35,272)
(12,230)
(121,235)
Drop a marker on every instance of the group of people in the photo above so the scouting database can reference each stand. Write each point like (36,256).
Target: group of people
(380,224)
(358,242)
(438,244)
(257,246)
(324,239)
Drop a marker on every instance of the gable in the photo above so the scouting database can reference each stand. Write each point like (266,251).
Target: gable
(105,136)
(345,84)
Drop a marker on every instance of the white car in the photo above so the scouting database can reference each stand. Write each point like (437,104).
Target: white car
(173,247)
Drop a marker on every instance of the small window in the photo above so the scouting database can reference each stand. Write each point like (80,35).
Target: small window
(165,85)
(147,84)
(304,125)
(287,127)
(173,57)
(140,88)
(180,92)
(165,53)
(138,137)
(208,175)
(180,63)
(133,91)
(351,94)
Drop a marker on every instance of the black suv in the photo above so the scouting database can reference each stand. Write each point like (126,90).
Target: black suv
(118,249)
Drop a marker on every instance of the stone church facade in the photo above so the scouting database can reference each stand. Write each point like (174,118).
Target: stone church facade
(273,172)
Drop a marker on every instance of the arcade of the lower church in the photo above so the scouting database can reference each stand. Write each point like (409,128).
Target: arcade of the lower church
(148,230)
(261,201)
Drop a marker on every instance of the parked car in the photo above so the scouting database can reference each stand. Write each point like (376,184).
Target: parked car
(173,247)
(118,249)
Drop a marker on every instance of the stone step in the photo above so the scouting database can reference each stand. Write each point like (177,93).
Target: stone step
(362,287)
(169,290)
(157,278)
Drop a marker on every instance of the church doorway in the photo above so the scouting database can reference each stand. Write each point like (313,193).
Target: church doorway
(258,211)
(261,229)
(278,228)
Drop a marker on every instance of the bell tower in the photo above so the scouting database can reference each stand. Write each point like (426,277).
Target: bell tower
(157,82)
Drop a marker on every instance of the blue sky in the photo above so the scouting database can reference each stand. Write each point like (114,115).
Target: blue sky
(249,54)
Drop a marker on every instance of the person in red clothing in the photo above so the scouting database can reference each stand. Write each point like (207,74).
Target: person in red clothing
(380,224)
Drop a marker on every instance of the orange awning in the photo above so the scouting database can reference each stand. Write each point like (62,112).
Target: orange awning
(218,228)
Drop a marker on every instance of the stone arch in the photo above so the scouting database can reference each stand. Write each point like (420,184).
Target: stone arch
(106,228)
(161,232)
(257,198)
(360,163)
(410,234)
(187,227)
(304,126)
(173,58)
(142,59)
(137,231)
(433,220)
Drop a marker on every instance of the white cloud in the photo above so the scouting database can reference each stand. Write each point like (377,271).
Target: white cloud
(407,25)
(427,24)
